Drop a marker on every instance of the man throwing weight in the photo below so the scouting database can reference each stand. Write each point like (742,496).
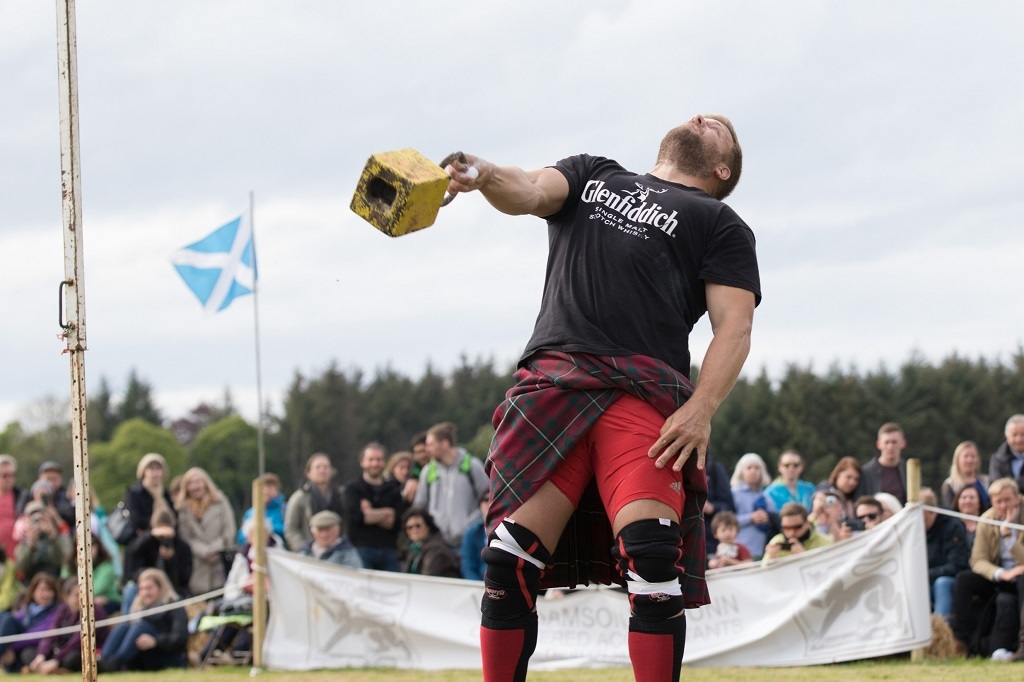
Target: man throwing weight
(601,442)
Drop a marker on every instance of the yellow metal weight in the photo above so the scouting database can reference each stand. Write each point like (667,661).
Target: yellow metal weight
(400,192)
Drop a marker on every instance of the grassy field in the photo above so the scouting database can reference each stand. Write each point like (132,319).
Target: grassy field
(903,671)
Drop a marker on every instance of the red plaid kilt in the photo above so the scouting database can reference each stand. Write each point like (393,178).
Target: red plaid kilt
(556,398)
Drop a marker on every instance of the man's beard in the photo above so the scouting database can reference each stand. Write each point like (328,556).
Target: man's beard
(691,153)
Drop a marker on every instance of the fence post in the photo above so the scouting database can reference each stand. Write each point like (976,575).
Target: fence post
(914,495)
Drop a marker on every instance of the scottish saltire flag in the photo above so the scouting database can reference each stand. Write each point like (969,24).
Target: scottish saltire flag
(220,267)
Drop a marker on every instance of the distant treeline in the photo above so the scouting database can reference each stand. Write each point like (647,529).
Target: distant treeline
(337,411)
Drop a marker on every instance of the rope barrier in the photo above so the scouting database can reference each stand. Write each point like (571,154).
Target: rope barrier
(968,517)
(114,620)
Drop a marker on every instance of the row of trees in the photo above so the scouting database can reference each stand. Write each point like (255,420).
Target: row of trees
(824,416)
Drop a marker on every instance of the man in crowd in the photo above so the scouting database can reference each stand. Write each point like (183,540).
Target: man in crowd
(53,474)
(328,543)
(789,487)
(719,500)
(868,511)
(997,569)
(450,485)
(10,495)
(798,534)
(947,553)
(373,507)
(1008,460)
(887,471)
(420,459)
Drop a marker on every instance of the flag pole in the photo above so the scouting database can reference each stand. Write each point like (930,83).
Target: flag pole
(259,535)
(73,303)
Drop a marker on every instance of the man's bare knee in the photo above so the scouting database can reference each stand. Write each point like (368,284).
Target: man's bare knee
(546,514)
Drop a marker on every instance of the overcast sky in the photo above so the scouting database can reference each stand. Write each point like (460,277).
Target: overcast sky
(883,175)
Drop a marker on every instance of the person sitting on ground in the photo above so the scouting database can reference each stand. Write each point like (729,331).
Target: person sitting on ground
(45,544)
(206,522)
(789,487)
(274,504)
(36,613)
(968,501)
(844,479)
(798,535)
(152,642)
(755,511)
(328,543)
(997,569)
(947,554)
(474,541)
(429,554)
(63,653)
(726,527)
(965,471)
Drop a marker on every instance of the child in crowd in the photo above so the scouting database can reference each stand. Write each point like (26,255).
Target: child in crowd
(59,653)
(37,613)
(725,526)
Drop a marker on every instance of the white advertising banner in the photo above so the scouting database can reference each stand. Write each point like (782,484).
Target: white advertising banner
(858,599)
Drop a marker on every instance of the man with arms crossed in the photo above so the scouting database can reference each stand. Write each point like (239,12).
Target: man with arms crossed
(603,436)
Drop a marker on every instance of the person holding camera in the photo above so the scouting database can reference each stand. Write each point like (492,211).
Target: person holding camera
(45,544)
(159,547)
(828,516)
(798,534)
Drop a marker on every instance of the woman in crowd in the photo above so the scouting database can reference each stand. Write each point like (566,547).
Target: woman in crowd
(844,479)
(968,501)
(153,642)
(206,522)
(64,652)
(105,583)
(274,506)
(37,613)
(753,508)
(429,554)
(316,495)
(965,471)
(148,495)
(398,467)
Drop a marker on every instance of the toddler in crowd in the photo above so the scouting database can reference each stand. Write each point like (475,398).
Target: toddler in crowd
(726,526)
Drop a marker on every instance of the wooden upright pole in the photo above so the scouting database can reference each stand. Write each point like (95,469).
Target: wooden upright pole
(259,596)
(914,495)
(72,316)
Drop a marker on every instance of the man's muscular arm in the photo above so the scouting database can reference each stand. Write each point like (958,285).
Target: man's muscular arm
(512,190)
(688,430)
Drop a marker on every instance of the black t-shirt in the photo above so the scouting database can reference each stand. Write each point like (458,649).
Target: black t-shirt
(387,494)
(628,258)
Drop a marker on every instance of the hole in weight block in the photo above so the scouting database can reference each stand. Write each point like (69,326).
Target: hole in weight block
(381,192)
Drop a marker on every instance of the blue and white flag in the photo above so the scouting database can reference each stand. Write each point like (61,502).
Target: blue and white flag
(220,267)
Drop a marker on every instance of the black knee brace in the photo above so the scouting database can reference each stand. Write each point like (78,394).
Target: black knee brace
(649,554)
(515,559)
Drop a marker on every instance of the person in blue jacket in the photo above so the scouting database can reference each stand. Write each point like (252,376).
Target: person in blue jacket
(275,503)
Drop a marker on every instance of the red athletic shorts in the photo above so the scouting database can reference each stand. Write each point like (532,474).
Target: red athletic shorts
(614,453)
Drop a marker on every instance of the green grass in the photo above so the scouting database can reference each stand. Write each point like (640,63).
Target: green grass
(903,671)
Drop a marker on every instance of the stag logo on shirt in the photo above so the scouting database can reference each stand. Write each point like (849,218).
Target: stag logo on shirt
(633,205)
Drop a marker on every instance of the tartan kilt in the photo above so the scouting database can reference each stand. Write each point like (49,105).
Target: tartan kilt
(557,397)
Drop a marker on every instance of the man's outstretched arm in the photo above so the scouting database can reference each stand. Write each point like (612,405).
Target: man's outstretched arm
(512,190)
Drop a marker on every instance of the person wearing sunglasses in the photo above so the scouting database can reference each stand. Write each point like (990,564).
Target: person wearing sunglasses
(869,511)
(798,535)
(788,487)
(429,554)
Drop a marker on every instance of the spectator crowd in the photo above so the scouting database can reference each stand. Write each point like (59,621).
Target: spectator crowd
(422,511)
